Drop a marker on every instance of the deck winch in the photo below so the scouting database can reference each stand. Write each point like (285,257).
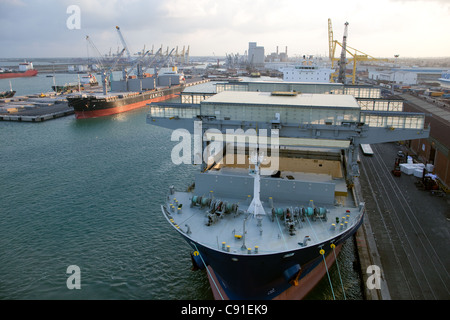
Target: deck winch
(295,216)
(217,207)
(300,213)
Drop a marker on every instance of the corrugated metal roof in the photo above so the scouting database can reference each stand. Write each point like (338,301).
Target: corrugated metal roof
(300,100)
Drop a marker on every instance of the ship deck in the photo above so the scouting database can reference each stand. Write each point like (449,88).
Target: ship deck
(238,231)
(97,92)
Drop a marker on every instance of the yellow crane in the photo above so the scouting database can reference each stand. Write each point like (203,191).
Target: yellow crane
(356,55)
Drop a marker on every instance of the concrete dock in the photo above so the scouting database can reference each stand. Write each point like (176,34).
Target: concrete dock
(34,108)
(406,232)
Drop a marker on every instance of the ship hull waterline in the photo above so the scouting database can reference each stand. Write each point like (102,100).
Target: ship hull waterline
(287,275)
(296,292)
(85,108)
(28,73)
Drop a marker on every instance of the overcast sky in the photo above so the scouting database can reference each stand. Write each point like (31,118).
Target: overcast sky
(381,28)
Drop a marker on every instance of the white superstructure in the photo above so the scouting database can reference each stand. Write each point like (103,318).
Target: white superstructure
(307,71)
(25,66)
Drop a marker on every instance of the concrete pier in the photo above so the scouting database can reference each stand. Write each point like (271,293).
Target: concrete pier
(34,108)
(405,233)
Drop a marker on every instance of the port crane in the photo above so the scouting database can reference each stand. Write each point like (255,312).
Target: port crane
(138,65)
(342,61)
(105,72)
(186,56)
(356,55)
(183,57)
(149,64)
(123,43)
(167,57)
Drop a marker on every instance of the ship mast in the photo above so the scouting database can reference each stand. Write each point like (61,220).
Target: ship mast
(256,206)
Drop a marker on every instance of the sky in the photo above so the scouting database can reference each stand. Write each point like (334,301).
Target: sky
(380,28)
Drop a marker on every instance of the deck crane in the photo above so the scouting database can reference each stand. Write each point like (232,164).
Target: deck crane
(123,43)
(97,57)
(342,61)
(105,73)
(356,55)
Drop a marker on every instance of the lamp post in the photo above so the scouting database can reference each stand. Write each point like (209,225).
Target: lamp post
(393,79)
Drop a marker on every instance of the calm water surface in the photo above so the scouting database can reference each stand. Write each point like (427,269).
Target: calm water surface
(88,193)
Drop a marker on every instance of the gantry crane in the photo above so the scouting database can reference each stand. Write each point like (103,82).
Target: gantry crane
(356,55)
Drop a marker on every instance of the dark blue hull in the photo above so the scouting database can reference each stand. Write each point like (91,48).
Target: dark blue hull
(263,276)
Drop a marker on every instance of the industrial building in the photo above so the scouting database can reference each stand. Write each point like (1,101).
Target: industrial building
(407,76)
(78,68)
(255,54)
(277,56)
(435,149)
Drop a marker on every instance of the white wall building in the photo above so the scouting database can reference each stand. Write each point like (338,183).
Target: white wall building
(399,77)
(78,68)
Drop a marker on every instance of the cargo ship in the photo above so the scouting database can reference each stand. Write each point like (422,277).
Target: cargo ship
(9,93)
(129,94)
(267,214)
(25,70)
(67,87)
(89,80)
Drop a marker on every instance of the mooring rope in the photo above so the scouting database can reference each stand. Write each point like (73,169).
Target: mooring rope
(210,275)
(322,252)
(337,264)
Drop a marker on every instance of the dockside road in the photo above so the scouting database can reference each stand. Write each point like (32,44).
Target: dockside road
(406,233)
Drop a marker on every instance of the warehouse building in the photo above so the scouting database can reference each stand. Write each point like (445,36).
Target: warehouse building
(436,148)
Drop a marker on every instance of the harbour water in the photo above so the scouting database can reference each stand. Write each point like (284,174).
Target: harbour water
(88,193)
